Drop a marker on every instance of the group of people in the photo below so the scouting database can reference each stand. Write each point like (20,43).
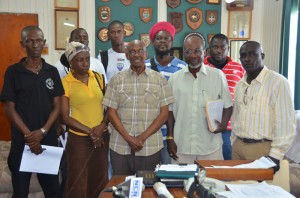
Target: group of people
(131,113)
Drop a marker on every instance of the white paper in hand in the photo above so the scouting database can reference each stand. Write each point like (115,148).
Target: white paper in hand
(214,111)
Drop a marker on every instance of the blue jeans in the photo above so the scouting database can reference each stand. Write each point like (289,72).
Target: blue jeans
(164,154)
(227,148)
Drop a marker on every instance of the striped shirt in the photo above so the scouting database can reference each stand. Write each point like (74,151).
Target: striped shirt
(167,71)
(138,99)
(234,72)
(264,109)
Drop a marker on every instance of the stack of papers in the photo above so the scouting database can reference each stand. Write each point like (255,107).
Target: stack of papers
(214,111)
(254,190)
(261,163)
(175,171)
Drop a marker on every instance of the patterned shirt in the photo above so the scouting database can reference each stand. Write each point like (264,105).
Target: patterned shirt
(138,99)
(167,71)
(234,72)
(264,109)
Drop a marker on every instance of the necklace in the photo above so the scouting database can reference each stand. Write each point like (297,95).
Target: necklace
(35,69)
(85,80)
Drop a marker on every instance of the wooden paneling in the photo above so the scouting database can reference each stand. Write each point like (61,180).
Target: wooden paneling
(11,52)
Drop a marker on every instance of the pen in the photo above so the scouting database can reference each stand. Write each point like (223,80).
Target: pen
(43,149)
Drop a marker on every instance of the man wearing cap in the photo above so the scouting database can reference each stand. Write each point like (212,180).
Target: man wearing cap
(137,101)
(162,36)
(31,94)
(63,66)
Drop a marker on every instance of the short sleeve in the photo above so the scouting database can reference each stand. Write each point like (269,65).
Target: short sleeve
(8,92)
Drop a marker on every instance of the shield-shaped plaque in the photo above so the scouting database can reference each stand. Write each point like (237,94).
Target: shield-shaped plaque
(126,2)
(194,18)
(211,16)
(102,34)
(194,1)
(104,14)
(176,20)
(146,14)
(145,39)
(129,29)
(173,3)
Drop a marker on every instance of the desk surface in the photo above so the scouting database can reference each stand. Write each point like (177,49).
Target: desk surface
(147,193)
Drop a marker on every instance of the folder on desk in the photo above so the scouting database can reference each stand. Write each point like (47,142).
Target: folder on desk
(175,171)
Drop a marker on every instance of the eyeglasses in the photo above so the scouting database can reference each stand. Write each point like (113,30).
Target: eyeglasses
(245,96)
(197,52)
(139,52)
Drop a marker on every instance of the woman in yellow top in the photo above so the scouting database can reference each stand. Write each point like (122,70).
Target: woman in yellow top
(82,112)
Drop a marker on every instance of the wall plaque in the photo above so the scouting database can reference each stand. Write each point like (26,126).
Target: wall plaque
(176,20)
(194,1)
(194,18)
(173,3)
(102,34)
(146,14)
(104,14)
(129,29)
(209,36)
(126,2)
(145,39)
(240,5)
(211,17)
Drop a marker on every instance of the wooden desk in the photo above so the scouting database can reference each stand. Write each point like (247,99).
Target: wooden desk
(147,193)
(234,174)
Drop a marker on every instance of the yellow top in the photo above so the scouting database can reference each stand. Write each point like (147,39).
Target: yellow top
(85,101)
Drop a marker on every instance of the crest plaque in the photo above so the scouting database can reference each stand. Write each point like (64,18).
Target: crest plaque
(176,20)
(209,36)
(146,14)
(194,1)
(129,29)
(104,14)
(173,3)
(126,2)
(211,16)
(102,34)
(194,18)
(145,39)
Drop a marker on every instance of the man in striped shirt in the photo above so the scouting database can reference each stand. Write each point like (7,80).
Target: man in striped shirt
(218,49)
(263,117)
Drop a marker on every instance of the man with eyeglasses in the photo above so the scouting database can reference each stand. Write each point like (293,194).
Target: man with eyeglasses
(137,101)
(162,35)
(263,117)
(218,48)
(63,66)
(193,87)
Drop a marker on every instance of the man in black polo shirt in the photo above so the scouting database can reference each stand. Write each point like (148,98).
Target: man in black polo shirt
(31,95)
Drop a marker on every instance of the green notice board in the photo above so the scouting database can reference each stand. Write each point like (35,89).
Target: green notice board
(129,14)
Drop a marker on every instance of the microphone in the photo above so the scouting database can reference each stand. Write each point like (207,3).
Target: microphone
(162,190)
(116,188)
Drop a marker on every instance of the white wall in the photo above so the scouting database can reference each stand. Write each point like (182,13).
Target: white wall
(265,23)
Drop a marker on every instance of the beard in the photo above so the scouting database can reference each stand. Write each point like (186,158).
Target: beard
(194,66)
(161,54)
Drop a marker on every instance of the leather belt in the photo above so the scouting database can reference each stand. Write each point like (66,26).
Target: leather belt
(246,140)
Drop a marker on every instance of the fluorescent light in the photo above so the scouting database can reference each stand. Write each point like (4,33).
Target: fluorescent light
(69,24)
(229,1)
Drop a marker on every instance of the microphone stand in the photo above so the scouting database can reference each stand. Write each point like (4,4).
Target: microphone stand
(119,194)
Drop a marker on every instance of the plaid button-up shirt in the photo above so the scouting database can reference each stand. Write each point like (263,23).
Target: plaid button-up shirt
(138,99)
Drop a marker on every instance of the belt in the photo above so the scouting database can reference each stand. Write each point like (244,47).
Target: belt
(246,140)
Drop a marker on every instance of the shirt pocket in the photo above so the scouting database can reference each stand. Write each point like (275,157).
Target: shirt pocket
(125,97)
(152,96)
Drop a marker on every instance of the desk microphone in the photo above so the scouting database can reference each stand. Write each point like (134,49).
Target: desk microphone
(116,188)
(162,190)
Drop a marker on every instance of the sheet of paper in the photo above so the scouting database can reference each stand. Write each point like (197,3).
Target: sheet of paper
(176,167)
(63,141)
(47,162)
(261,163)
(258,190)
(214,110)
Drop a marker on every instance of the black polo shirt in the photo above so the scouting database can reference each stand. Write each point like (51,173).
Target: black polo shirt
(33,97)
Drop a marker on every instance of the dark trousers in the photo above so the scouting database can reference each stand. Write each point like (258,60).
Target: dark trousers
(21,180)
(130,164)
(226,147)
(86,166)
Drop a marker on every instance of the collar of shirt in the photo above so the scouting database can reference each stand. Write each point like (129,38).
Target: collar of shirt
(70,77)
(260,78)
(203,69)
(23,69)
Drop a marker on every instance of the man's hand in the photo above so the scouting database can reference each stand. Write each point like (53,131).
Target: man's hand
(36,149)
(134,143)
(33,138)
(221,127)
(172,149)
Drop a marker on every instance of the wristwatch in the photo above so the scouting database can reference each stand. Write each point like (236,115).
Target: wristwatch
(44,132)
